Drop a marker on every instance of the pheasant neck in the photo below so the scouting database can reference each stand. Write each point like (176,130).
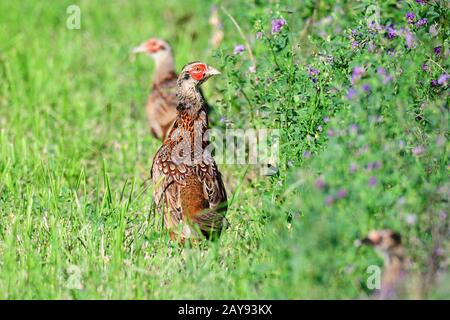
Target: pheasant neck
(165,69)
(190,100)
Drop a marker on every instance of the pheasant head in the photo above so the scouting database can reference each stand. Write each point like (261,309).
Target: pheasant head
(387,243)
(191,77)
(156,48)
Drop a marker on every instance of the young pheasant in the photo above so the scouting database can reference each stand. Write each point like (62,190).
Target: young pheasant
(188,185)
(161,104)
(388,245)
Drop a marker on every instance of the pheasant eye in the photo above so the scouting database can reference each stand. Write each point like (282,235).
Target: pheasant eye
(197,72)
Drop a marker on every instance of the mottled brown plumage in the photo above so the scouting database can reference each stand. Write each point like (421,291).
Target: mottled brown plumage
(162,102)
(188,185)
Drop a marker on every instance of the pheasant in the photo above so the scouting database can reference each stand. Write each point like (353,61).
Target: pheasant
(388,245)
(188,185)
(161,104)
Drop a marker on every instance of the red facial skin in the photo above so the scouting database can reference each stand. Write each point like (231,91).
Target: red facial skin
(198,71)
(153,46)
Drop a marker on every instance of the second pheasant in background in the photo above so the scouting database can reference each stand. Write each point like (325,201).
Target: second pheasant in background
(161,108)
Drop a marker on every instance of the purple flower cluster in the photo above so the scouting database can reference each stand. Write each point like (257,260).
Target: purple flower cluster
(409,38)
(437,51)
(238,49)
(421,22)
(353,167)
(410,17)
(351,93)
(320,183)
(313,73)
(277,24)
(391,32)
(357,74)
(372,181)
(443,79)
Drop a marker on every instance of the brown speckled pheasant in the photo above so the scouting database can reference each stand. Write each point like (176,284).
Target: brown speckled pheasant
(188,185)
(389,247)
(161,104)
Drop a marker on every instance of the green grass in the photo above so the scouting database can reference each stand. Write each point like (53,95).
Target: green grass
(76,215)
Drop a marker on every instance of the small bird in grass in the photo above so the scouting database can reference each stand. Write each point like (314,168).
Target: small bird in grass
(188,185)
(389,246)
(161,104)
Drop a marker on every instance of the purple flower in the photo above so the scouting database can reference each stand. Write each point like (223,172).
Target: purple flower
(353,167)
(391,32)
(357,73)
(307,154)
(355,44)
(421,22)
(330,132)
(320,183)
(417,151)
(223,119)
(424,67)
(422,2)
(443,79)
(277,24)
(381,71)
(313,73)
(342,193)
(329,200)
(409,38)
(259,35)
(437,51)
(443,215)
(434,83)
(410,17)
(372,181)
(353,129)
(326,119)
(238,49)
(366,87)
(351,93)
(371,47)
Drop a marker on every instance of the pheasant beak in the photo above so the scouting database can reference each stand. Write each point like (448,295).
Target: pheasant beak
(212,72)
(140,49)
